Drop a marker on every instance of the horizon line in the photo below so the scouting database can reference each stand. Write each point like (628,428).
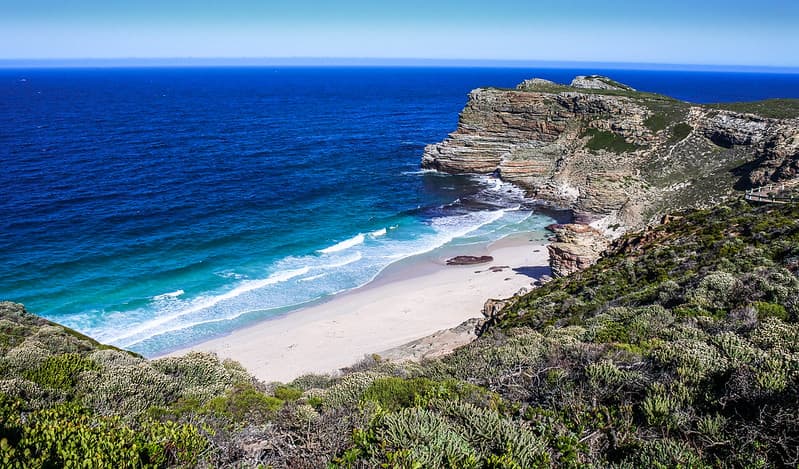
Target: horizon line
(138,62)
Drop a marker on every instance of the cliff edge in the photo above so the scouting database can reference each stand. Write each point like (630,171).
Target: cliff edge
(616,156)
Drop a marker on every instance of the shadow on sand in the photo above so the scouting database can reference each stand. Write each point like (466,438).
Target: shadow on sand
(534,272)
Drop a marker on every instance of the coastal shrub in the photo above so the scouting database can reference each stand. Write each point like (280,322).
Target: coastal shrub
(680,131)
(424,438)
(775,334)
(109,359)
(661,454)
(242,402)
(312,381)
(711,427)
(737,349)
(606,374)
(449,434)
(68,435)
(27,355)
(770,310)
(493,357)
(775,285)
(57,340)
(127,390)
(715,291)
(32,394)
(287,393)
(661,408)
(393,393)
(693,360)
(201,375)
(349,389)
(778,108)
(495,437)
(397,393)
(60,371)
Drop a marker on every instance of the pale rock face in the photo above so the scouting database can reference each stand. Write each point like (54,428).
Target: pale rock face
(596,82)
(727,129)
(577,247)
(533,83)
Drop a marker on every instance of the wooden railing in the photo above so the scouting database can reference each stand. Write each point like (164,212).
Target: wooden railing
(771,194)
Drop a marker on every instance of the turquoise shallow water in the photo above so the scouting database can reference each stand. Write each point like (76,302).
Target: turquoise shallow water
(151,208)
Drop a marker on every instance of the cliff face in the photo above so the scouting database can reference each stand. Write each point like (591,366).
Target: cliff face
(607,151)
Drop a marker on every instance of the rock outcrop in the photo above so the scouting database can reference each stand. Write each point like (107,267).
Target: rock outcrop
(597,82)
(469,260)
(577,247)
(604,150)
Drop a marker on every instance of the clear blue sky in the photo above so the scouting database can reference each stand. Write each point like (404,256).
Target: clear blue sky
(737,32)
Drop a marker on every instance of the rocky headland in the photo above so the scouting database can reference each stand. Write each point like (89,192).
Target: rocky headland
(616,157)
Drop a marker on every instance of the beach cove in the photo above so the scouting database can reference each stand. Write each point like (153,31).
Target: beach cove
(409,300)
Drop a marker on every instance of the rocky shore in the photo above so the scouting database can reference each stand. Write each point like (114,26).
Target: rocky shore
(616,157)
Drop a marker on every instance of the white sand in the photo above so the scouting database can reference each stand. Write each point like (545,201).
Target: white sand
(406,302)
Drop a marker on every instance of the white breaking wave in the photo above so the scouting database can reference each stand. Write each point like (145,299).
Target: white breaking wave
(452,227)
(346,244)
(500,192)
(172,294)
(419,172)
(229,274)
(346,261)
(378,233)
(204,302)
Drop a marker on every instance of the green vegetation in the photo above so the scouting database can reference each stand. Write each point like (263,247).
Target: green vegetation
(680,131)
(774,108)
(608,141)
(68,435)
(678,349)
(656,122)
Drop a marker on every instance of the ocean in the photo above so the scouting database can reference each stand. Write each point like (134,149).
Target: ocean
(152,208)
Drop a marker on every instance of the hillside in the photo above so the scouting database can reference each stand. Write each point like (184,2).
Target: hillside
(680,346)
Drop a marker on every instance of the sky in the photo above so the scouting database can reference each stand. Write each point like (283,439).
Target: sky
(711,32)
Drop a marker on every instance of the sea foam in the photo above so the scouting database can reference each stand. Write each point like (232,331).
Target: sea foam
(346,244)
(166,296)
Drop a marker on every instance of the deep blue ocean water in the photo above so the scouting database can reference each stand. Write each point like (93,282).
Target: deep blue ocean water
(155,207)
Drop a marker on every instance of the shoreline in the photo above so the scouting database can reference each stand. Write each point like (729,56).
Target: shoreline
(392,310)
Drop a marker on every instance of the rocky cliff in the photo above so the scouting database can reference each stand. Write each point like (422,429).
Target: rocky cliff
(609,152)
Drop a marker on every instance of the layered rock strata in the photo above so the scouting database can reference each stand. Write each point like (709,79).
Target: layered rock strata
(616,157)
(604,150)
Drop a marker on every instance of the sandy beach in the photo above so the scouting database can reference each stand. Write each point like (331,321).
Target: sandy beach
(407,301)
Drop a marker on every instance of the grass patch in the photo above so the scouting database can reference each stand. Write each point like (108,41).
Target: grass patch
(773,108)
(657,122)
(680,132)
(608,141)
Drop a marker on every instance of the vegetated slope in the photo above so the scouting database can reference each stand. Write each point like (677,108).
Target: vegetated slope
(679,347)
